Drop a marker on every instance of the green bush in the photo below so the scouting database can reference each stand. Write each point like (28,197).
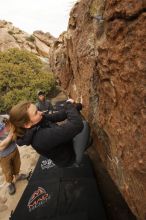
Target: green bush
(11,32)
(31,38)
(21,76)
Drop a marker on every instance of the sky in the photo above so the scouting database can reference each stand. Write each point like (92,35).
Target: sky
(31,15)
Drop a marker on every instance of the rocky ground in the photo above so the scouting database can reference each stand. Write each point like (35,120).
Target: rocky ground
(8,203)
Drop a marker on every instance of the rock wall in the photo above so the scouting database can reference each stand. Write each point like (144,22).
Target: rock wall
(101,60)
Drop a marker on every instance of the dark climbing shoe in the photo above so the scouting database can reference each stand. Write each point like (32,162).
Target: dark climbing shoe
(11,188)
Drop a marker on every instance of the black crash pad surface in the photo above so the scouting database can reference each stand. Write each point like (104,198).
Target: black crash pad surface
(60,194)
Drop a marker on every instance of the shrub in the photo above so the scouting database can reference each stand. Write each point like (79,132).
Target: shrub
(31,38)
(21,76)
(11,32)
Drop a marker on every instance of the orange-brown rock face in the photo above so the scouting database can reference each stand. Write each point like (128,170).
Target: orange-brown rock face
(103,61)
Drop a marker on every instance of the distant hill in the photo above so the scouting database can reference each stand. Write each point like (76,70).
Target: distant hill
(12,37)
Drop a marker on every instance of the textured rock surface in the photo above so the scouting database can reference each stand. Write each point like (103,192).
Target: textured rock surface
(12,37)
(101,59)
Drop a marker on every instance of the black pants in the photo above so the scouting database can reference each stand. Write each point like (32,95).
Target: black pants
(80,142)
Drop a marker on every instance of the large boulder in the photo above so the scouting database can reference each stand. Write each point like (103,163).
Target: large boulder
(101,60)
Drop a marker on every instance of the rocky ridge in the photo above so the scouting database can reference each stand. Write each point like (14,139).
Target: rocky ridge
(38,43)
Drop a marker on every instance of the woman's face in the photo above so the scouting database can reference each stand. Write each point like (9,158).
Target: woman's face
(41,98)
(34,115)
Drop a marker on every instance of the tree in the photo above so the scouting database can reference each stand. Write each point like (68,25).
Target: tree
(21,76)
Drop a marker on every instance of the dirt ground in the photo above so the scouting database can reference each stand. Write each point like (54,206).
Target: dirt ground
(8,202)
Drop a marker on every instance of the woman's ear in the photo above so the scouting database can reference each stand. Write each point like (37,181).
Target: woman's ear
(28,125)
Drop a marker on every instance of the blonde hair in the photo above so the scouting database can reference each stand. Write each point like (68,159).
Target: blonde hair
(19,117)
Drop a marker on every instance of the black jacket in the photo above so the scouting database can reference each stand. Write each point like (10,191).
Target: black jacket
(44,105)
(55,141)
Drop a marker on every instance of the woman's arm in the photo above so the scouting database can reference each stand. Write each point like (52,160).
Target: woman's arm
(62,115)
(5,143)
(56,117)
(63,133)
